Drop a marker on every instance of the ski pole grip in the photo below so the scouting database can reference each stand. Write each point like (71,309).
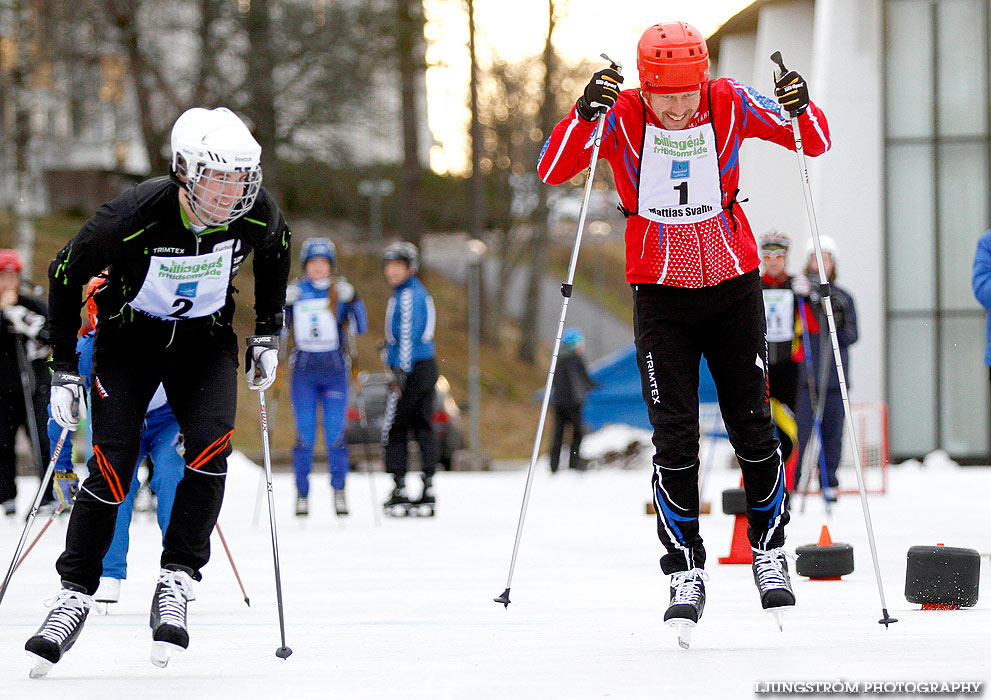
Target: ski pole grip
(776,57)
(615,65)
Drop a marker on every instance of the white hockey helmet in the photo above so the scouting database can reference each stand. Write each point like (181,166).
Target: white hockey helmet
(214,146)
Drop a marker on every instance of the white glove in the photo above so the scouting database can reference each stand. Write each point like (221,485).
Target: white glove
(66,399)
(800,285)
(345,291)
(261,361)
(24,322)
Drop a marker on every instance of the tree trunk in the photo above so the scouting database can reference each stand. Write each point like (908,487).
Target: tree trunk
(541,239)
(261,66)
(412,67)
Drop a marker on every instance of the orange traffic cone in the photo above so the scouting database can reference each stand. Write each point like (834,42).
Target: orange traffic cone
(824,539)
(739,549)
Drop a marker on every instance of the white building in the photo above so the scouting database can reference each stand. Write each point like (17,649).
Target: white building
(903,191)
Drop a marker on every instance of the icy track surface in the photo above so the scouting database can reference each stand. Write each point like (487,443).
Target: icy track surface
(404,608)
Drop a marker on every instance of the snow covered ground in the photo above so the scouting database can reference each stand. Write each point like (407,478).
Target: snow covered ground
(403,608)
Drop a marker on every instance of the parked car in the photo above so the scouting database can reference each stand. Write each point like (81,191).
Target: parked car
(446,418)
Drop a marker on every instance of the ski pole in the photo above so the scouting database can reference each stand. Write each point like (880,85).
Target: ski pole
(27,388)
(34,510)
(886,619)
(227,549)
(813,453)
(51,518)
(283,651)
(566,289)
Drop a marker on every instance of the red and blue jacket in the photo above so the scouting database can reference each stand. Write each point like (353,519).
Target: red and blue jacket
(682,255)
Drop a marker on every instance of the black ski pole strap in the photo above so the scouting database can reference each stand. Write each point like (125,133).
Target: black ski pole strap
(625,212)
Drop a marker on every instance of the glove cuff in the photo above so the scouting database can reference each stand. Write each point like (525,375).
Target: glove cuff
(64,377)
(585,110)
(265,341)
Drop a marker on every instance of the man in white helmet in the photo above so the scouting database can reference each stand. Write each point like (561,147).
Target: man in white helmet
(173,246)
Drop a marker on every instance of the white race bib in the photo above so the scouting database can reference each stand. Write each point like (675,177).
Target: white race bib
(314,325)
(679,175)
(185,287)
(779,311)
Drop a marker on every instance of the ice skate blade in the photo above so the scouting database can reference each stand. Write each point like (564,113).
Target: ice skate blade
(684,629)
(39,667)
(779,615)
(161,652)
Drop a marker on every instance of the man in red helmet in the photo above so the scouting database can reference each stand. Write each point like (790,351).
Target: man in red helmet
(692,261)
(22,371)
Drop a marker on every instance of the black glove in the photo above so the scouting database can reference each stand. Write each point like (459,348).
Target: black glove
(792,93)
(839,310)
(600,93)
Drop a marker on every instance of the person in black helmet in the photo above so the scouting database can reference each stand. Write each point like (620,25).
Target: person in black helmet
(409,331)
(173,246)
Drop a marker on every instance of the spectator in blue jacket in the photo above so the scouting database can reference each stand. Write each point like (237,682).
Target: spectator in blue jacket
(981,282)
(409,329)
(818,359)
(321,310)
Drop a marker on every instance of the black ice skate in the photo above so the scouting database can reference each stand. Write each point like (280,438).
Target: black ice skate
(398,505)
(58,633)
(302,506)
(773,582)
(340,503)
(687,603)
(168,613)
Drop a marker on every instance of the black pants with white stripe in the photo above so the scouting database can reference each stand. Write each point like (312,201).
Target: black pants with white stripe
(408,415)
(199,371)
(674,328)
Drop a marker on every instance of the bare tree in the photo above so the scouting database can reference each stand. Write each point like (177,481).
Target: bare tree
(412,64)
(538,247)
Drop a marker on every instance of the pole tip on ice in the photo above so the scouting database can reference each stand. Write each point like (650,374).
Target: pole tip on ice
(504,598)
(283,652)
(247,602)
(887,619)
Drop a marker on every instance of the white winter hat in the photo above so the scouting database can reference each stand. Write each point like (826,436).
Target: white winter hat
(827,244)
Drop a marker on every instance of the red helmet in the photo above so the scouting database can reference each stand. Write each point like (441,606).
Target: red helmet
(94,286)
(10,261)
(672,57)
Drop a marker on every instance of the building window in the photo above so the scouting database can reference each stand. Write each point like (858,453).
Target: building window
(937,204)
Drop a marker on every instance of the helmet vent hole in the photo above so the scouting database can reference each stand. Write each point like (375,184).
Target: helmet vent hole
(670,54)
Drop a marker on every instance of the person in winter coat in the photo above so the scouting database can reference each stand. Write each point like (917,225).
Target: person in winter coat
(818,361)
(571,386)
(22,369)
(321,311)
(691,259)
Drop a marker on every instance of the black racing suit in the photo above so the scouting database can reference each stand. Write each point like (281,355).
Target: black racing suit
(674,328)
(153,329)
